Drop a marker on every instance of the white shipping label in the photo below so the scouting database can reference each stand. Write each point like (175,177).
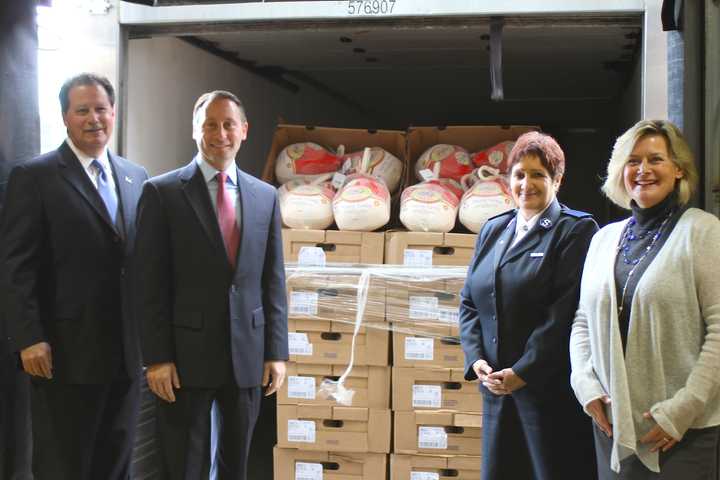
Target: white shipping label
(432,437)
(298,344)
(304,303)
(338,180)
(311,257)
(301,387)
(427,396)
(423,308)
(449,315)
(301,431)
(308,471)
(424,476)
(417,258)
(427,174)
(418,348)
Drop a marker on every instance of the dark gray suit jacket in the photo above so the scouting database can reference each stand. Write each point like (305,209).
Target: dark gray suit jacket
(214,321)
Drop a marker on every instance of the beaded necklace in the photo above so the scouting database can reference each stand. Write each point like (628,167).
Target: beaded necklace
(630,236)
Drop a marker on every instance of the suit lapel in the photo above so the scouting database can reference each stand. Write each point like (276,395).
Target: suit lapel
(72,171)
(198,196)
(503,242)
(124,186)
(247,218)
(545,223)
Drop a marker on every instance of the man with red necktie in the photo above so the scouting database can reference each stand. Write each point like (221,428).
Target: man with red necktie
(211,297)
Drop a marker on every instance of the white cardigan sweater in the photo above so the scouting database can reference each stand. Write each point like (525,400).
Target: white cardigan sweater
(671,366)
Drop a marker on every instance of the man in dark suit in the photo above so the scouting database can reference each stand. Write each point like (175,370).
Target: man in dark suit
(211,292)
(67,230)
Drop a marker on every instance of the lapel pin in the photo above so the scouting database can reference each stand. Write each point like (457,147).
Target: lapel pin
(545,223)
(128,179)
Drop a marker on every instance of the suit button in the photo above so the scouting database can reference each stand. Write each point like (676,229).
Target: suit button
(494,318)
(494,339)
(492,294)
(122,271)
(234,288)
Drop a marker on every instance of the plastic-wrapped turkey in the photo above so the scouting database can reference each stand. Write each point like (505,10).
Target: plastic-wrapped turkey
(307,204)
(487,195)
(496,156)
(383,165)
(454,161)
(305,160)
(363,202)
(431,206)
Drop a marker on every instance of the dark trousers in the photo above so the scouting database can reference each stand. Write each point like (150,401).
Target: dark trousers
(15,433)
(184,431)
(83,432)
(695,457)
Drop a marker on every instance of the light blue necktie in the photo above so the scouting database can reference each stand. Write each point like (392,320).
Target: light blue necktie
(105,191)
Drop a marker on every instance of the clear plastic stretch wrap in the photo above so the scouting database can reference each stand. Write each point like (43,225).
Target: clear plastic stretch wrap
(344,315)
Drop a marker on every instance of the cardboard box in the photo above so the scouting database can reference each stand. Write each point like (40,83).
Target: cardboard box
(434,389)
(338,429)
(370,384)
(445,467)
(438,433)
(472,138)
(353,139)
(447,248)
(322,298)
(328,465)
(421,350)
(339,246)
(424,300)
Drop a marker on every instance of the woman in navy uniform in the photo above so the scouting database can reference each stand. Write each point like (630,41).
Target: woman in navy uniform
(516,312)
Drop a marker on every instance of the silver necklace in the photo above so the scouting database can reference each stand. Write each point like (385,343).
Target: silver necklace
(638,261)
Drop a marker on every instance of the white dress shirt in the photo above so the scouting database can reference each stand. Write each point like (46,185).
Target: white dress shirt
(92,172)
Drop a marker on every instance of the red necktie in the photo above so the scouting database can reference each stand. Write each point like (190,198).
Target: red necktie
(227,219)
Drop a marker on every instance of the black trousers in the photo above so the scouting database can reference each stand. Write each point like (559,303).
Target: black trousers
(83,432)
(15,433)
(185,427)
(695,457)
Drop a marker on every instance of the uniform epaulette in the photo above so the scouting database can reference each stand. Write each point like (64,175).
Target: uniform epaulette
(506,212)
(574,213)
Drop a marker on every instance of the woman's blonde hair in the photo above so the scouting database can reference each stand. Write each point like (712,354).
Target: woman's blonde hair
(680,154)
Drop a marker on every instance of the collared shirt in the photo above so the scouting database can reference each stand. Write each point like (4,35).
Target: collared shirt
(231,184)
(92,172)
(522,226)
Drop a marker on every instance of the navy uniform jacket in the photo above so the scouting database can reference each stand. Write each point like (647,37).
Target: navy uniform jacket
(516,311)
(215,322)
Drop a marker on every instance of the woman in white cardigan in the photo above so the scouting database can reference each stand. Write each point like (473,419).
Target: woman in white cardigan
(645,343)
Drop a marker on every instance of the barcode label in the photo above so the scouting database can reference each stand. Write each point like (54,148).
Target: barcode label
(298,344)
(427,396)
(432,437)
(301,431)
(449,315)
(301,387)
(304,303)
(311,257)
(423,308)
(424,476)
(308,471)
(418,348)
(417,258)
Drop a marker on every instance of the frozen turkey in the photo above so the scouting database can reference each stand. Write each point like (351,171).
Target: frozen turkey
(454,161)
(383,165)
(363,202)
(488,194)
(495,156)
(305,160)
(307,204)
(429,206)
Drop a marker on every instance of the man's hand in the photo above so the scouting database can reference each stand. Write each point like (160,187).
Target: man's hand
(596,409)
(275,371)
(37,360)
(162,378)
(503,382)
(657,437)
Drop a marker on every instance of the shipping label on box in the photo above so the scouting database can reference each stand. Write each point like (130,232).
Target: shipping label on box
(340,429)
(438,467)
(451,433)
(330,347)
(370,384)
(337,246)
(293,464)
(446,249)
(434,388)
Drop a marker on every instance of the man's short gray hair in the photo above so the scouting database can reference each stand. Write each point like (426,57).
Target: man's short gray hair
(207,98)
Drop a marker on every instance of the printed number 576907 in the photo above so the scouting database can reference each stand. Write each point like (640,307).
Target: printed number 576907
(370,7)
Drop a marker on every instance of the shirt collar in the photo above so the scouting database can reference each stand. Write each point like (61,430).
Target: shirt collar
(86,160)
(209,172)
(520,221)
